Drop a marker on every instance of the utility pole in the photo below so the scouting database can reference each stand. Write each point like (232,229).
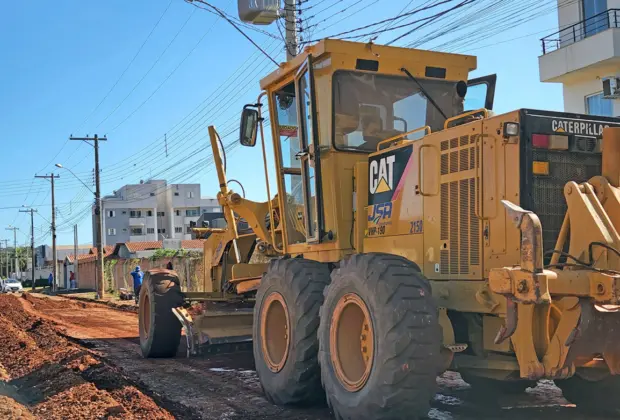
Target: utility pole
(1,257)
(15,262)
(31,211)
(7,258)
(290,26)
(98,214)
(51,177)
(76,264)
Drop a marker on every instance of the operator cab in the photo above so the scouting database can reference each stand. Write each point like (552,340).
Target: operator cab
(336,103)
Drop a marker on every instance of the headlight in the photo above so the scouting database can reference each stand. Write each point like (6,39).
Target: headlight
(511,129)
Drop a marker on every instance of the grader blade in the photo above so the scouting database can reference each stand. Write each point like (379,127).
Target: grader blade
(221,330)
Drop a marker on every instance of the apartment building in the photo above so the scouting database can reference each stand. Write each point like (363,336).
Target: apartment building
(153,211)
(584,55)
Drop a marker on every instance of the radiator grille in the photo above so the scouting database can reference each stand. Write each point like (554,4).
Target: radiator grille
(548,200)
(459,227)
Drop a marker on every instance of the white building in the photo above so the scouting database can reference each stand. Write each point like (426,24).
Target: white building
(153,211)
(585,55)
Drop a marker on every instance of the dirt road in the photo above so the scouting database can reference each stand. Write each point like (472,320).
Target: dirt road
(71,359)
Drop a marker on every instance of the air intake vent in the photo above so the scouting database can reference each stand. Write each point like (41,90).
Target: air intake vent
(459,226)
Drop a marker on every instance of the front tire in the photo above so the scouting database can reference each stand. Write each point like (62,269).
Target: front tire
(379,339)
(286,318)
(596,397)
(160,330)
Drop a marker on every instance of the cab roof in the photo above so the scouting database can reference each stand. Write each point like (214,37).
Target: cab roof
(390,59)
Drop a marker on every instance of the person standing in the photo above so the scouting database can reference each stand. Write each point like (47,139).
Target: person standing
(72,283)
(50,280)
(169,265)
(137,275)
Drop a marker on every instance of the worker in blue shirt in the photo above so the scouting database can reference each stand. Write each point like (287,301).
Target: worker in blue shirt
(137,275)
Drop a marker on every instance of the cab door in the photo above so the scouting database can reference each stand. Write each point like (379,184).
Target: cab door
(309,155)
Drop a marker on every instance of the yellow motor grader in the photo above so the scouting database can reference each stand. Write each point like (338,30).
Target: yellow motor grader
(413,231)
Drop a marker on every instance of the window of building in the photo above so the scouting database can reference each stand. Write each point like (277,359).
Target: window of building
(152,194)
(188,229)
(178,212)
(161,214)
(111,231)
(111,213)
(176,194)
(124,229)
(150,230)
(136,231)
(597,105)
(191,213)
(190,194)
(161,230)
(149,213)
(124,212)
(178,229)
(135,213)
(594,16)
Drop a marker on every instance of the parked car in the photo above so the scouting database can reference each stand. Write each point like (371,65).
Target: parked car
(11,285)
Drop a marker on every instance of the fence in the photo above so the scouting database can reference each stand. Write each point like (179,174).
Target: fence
(581,30)
(117,271)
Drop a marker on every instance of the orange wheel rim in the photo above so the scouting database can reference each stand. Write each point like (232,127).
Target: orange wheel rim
(275,331)
(351,342)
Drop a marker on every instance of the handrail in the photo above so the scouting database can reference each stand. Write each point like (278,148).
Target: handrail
(483,111)
(581,30)
(399,136)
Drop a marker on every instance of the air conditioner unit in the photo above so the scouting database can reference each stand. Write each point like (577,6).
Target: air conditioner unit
(258,12)
(611,88)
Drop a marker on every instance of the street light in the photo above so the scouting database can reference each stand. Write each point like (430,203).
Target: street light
(58,165)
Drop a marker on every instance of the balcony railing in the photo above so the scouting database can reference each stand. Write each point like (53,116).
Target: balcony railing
(581,30)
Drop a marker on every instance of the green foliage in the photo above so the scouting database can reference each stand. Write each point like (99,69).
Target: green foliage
(174,253)
(108,273)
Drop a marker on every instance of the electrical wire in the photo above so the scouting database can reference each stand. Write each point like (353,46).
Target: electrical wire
(176,35)
(236,27)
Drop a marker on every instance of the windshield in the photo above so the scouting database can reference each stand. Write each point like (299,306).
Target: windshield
(369,108)
(12,281)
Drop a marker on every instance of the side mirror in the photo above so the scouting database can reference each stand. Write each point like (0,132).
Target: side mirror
(249,126)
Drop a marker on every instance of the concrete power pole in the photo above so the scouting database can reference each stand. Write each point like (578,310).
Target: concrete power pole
(51,177)
(15,262)
(98,215)
(76,264)
(290,20)
(6,255)
(31,211)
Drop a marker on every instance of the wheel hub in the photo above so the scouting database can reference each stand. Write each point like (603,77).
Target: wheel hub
(352,342)
(275,331)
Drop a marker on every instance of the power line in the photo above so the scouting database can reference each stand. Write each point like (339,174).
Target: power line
(167,77)
(235,26)
(126,68)
(148,71)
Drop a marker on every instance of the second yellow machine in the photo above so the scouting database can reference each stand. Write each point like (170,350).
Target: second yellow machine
(397,245)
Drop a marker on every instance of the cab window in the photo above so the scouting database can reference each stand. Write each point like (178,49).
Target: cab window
(369,108)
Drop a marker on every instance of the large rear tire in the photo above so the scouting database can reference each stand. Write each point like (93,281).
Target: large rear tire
(286,318)
(595,397)
(379,339)
(160,330)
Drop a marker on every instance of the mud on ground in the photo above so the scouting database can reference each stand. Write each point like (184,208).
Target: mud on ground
(81,360)
(46,376)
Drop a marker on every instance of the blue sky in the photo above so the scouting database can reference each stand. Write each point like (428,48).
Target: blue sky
(61,59)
